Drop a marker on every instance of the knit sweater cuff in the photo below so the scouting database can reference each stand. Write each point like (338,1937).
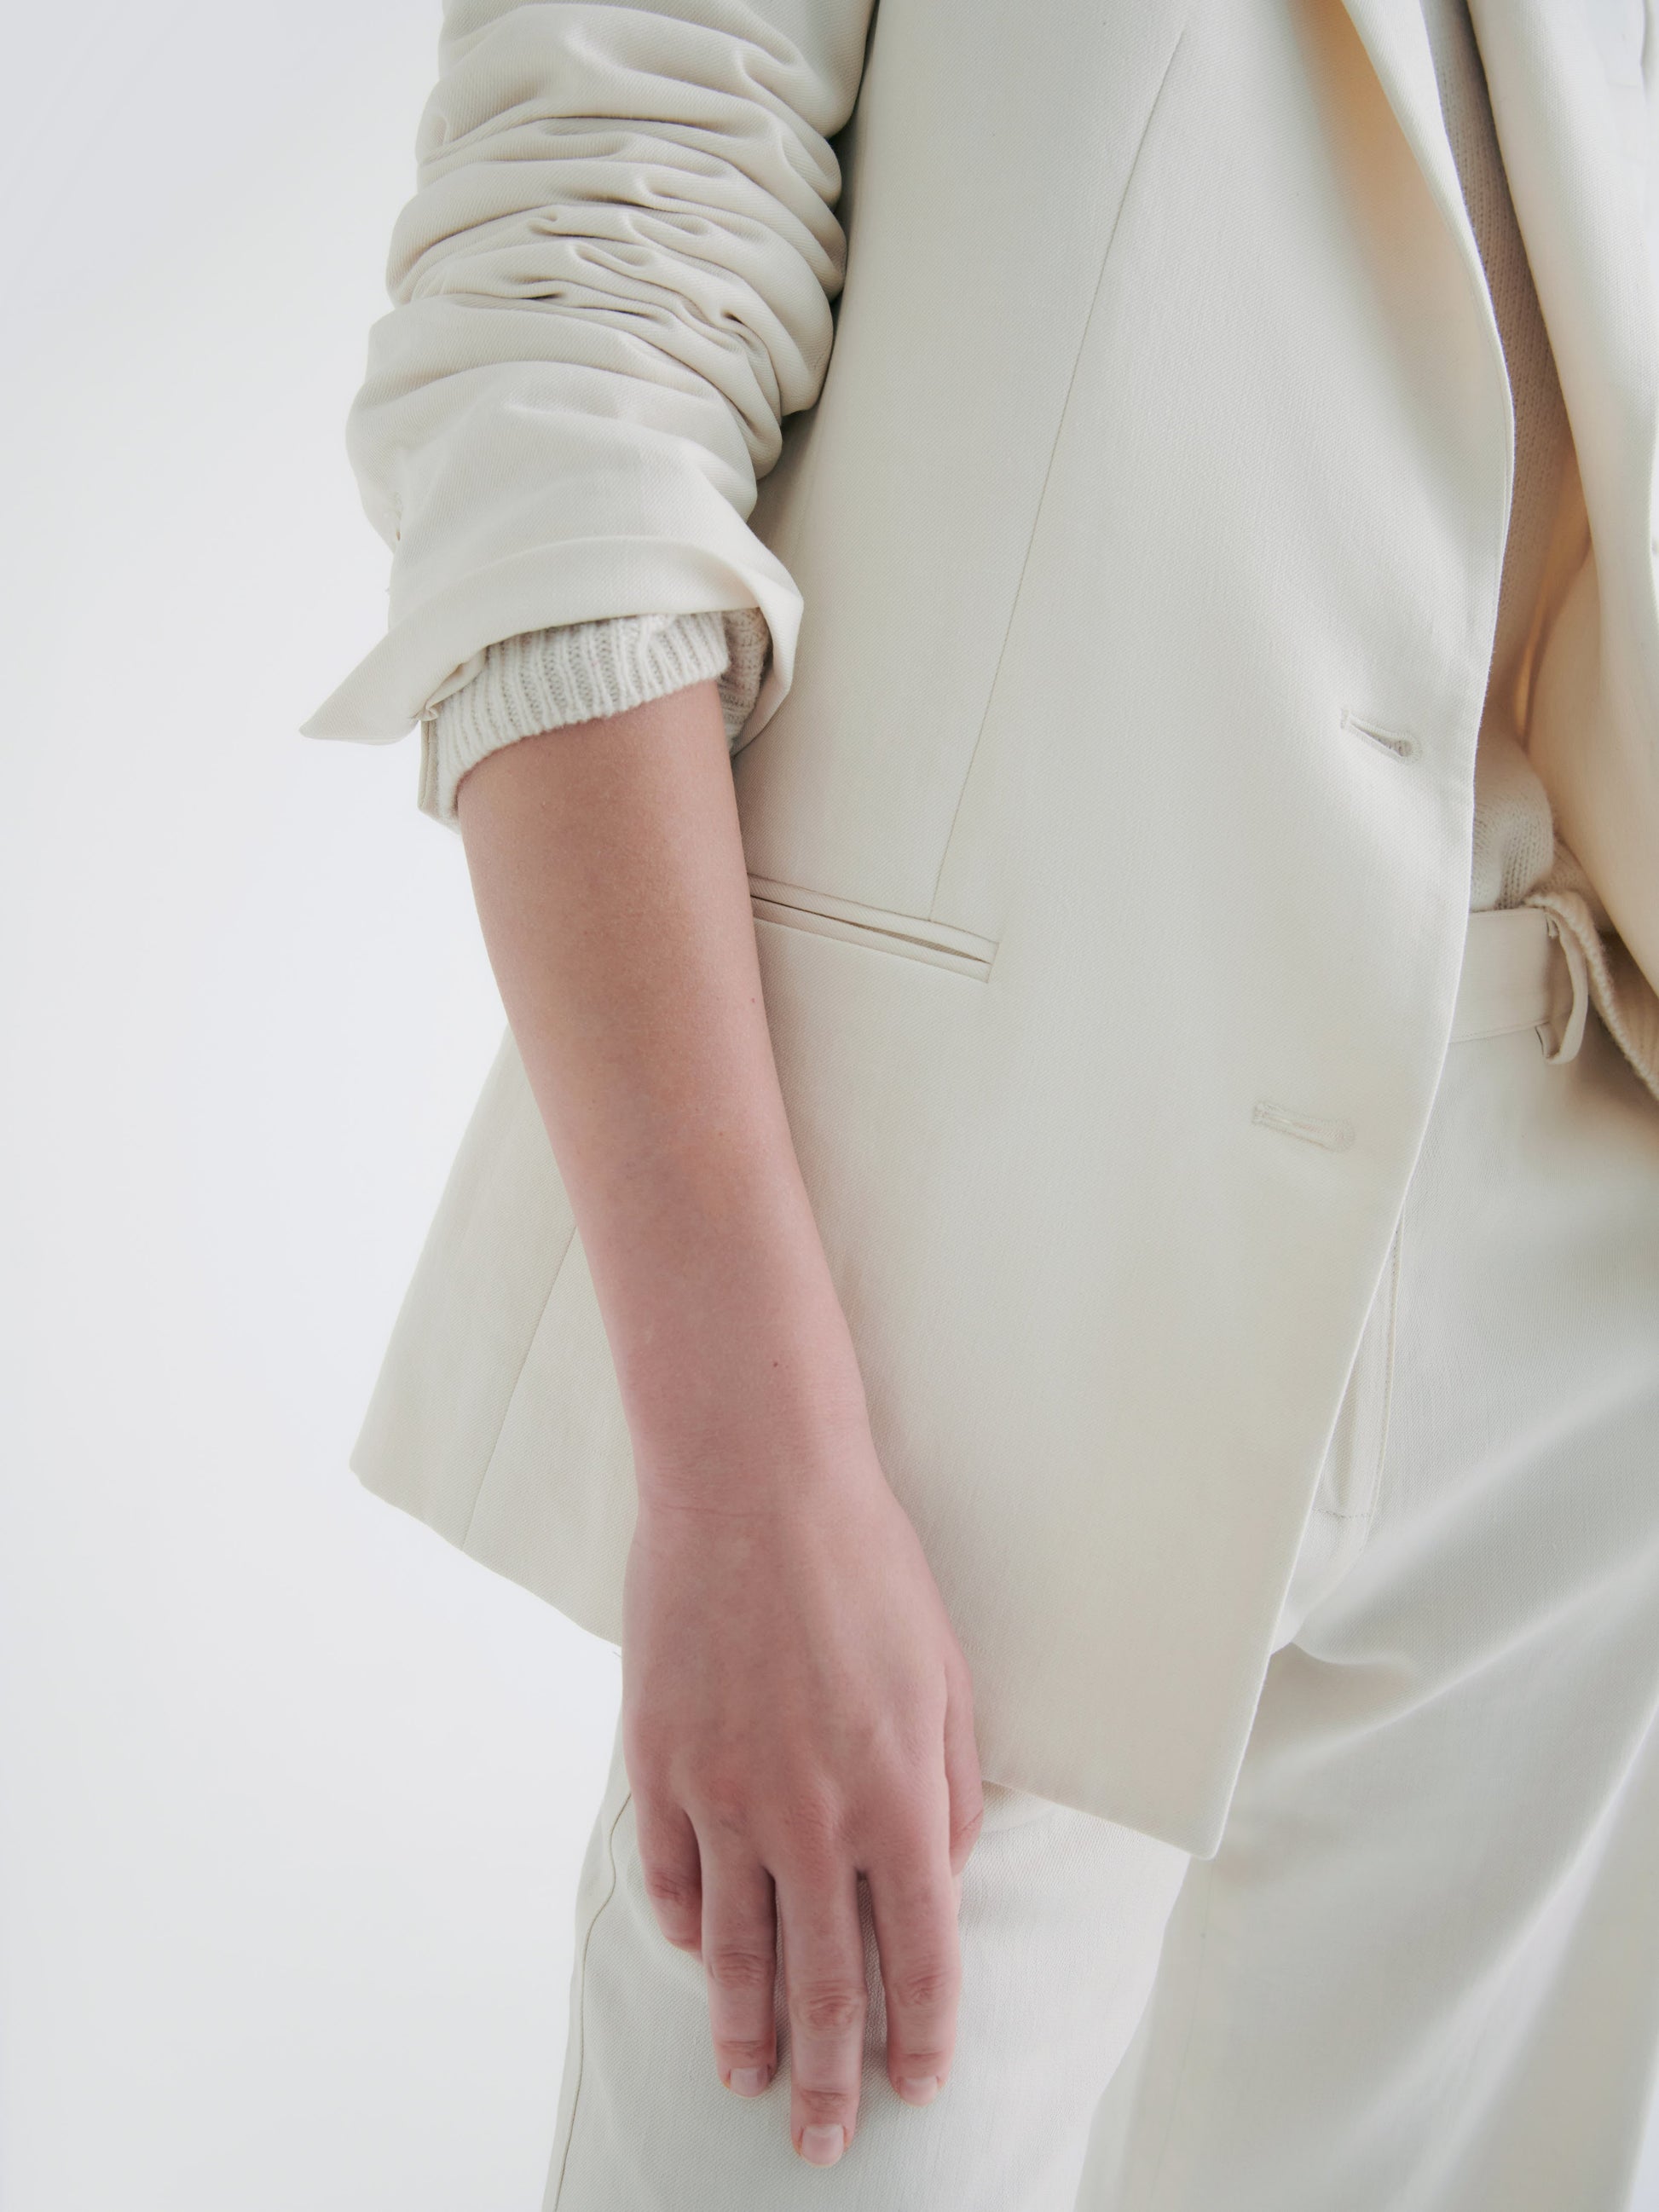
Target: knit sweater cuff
(545,678)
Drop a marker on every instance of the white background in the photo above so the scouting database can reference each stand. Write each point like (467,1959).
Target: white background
(294,1797)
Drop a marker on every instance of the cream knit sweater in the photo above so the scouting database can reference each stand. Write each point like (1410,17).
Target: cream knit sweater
(547,678)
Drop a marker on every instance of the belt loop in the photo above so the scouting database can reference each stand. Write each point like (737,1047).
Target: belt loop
(1573,1035)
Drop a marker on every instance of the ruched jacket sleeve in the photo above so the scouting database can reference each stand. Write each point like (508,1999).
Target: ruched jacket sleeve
(612,285)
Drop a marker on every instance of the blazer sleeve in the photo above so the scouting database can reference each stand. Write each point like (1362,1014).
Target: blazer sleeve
(613,283)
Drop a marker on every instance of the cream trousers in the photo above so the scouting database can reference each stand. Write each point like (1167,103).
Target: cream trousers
(1422,1972)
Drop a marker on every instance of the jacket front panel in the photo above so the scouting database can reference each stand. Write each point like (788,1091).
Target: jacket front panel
(1110,842)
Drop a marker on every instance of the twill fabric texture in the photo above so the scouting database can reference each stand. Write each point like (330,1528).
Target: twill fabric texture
(726,307)
(1421,1973)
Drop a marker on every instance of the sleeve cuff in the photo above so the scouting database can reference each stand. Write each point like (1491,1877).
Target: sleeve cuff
(546,678)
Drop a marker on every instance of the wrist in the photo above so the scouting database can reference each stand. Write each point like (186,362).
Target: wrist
(745,1395)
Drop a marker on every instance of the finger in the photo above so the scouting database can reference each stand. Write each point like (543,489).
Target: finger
(827,1997)
(962,1776)
(740,1960)
(672,1867)
(913,1902)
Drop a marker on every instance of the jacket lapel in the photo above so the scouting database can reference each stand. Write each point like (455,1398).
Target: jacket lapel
(1575,127)
(1565,83)
(1568,102)
(1572,120)
(1394,36)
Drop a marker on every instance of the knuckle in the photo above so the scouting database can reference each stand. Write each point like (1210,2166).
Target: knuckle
(741,1969)
(672,1891)
(815,1863)
(822,2104)
(925,1987)
(829,2008)
(816,1824)
(722,1805)
(745,2050)
(915,2061)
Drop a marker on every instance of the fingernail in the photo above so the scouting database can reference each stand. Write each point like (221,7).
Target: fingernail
(749,2080)
(822,2146)
(919,2092)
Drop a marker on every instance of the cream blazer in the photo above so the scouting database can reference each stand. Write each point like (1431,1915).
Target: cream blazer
(1111,904)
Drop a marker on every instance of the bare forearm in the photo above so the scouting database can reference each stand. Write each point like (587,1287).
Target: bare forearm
(788,1651)
(611,883)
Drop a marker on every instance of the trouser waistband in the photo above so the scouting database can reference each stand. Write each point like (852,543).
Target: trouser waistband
(1521,972)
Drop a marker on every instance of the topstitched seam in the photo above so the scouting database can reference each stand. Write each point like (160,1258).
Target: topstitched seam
(512,1391)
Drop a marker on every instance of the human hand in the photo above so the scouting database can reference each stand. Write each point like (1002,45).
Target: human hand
(797,1713)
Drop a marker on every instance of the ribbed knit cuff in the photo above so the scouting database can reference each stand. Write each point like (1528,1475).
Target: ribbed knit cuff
(545,678)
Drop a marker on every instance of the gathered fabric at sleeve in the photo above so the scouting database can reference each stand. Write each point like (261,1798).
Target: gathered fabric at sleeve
(613,285)
(551,678)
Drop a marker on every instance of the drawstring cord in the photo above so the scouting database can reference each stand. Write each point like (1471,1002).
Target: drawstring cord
(1572,1036)
(1603,971)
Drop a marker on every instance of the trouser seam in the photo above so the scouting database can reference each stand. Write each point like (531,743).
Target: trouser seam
(577,2058)
(1179,2083)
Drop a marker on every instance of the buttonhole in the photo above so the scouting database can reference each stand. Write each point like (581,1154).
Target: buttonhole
(1334,1136)
(1392,741)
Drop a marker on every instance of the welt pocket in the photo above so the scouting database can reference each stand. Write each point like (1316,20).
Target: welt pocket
(906,936)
